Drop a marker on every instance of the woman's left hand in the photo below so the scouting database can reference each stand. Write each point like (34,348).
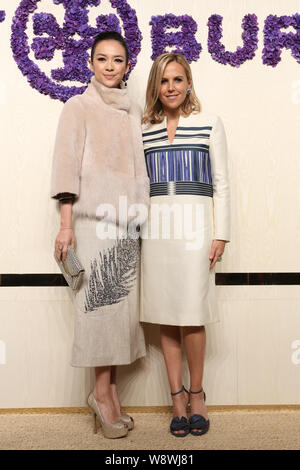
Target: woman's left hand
(217,249)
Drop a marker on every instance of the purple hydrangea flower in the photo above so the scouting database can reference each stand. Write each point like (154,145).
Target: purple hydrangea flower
(249,36)
(2,15)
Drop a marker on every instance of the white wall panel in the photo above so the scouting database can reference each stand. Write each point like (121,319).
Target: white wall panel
(248,353)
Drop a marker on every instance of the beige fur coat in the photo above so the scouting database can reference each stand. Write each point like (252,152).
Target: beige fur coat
(98,153)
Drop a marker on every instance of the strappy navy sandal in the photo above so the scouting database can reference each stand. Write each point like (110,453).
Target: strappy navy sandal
(179,424)
(198,422)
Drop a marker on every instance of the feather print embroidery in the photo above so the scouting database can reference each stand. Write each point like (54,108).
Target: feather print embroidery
(112,278)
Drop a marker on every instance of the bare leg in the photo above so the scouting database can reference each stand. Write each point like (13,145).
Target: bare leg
(194,339)
(102,393)
(171,346)
(114,391)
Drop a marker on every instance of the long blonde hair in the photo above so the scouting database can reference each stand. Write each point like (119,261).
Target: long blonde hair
(153,112)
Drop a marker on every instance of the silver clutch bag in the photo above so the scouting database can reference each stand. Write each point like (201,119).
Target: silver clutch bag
(71,268)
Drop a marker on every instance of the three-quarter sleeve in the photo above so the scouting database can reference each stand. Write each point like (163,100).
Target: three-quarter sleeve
(68,150)
(65,197)
(221,190)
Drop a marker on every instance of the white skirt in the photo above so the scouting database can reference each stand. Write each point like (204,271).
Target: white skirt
(177,286)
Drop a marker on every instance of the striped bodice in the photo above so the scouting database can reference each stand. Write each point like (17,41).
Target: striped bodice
(182,166)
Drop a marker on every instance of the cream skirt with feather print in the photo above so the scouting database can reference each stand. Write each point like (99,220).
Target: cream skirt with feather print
(107,330)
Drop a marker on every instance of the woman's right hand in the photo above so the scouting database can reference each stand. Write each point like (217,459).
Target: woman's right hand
(64,238)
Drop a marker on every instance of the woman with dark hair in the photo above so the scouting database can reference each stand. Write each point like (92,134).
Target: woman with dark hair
(186,157)
(98,173)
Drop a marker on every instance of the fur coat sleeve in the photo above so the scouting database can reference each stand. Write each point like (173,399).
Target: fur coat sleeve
(68,150)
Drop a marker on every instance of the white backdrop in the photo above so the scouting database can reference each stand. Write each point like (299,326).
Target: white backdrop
(260,107)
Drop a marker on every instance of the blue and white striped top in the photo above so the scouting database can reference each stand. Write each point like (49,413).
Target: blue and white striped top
(194,163)
(183,166)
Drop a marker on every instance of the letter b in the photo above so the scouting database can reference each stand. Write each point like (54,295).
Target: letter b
(183,41)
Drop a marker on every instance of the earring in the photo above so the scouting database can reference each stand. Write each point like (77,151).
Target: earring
(188,91)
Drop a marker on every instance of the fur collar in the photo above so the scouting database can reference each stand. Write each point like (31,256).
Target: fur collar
(118,98)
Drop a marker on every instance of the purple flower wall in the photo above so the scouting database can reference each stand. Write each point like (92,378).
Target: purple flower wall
(74,52)
(49,38)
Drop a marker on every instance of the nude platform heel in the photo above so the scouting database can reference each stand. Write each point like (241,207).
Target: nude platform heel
(128,420)
(109,430)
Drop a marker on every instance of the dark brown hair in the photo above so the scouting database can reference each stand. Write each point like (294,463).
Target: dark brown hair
(107,35)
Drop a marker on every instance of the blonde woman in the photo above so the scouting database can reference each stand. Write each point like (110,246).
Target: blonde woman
(188,227)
